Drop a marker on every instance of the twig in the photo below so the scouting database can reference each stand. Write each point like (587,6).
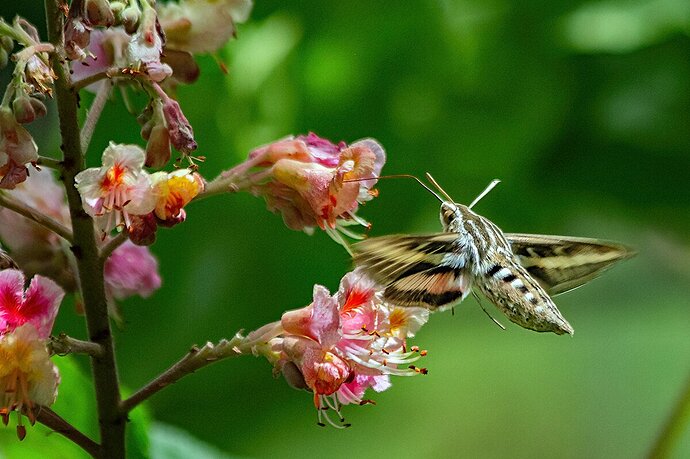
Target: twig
(195,359)
(113,244)
(36,216)
(53,421)
(94,114)
(63,345)
(673,429)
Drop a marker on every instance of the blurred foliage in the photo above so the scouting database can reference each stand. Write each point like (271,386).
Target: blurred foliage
(581,108)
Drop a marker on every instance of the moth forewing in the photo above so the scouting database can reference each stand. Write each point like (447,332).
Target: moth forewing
(563,263)
(424,270)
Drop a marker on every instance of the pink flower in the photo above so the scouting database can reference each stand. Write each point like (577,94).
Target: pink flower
(17,148)
(131,270)
(201,26)
(311,181)
(27,376)
(117,189)
(37,306)
(341,345)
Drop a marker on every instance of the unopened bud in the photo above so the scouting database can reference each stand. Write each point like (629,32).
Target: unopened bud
(23,110)
(130,19)
(181,132)
(184,67)
(158,72)
(158,147)
(146,130)
(293,376)
(39,107)
(4,58)
(117,8)
(6,43)
(142,230)
(98,13)
(77,38)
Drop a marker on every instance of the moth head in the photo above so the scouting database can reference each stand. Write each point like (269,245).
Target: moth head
(450,215)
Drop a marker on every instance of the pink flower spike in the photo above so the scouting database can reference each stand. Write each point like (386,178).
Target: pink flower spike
(131,270)
(38,307)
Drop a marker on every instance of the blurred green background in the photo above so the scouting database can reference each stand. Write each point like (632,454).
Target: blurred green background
(582,109)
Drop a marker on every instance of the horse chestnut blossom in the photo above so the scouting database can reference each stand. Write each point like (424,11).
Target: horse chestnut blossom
(201,26)
(118,189)
(342,344)
(311,181)
(28,379)
(17,149)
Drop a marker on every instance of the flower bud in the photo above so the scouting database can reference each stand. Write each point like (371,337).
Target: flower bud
(117,8)
(293,376)
(98,13)
(130,19)
(157,71)
(142,230)
(181,132)
(184,67)
(23,109)
(4,58)
(77,38)
(7,43)
(38,106)
(158,147)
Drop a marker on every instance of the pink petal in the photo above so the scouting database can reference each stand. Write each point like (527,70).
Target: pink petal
(41,304)
(325,317)
(11,292)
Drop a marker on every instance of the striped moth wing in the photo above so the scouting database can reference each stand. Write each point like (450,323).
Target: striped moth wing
(421,270)
(563,263)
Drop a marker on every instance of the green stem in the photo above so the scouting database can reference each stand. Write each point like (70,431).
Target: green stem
(110,419)
(673,429)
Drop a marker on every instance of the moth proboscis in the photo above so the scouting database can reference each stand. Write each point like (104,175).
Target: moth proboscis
(515,272)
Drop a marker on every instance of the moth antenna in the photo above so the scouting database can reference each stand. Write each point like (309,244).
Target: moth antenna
(424,185)
(438,187)
(490,187)
(479,302)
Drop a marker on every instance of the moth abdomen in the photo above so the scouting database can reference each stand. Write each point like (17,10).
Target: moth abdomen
(511,289)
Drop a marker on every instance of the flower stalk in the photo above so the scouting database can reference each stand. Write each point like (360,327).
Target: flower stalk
(90,265)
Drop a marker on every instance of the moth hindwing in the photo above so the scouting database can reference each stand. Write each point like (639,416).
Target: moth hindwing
(513,271)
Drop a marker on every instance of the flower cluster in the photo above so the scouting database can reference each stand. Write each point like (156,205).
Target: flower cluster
(121,193)
(311,181)
(342,344)
(28,379)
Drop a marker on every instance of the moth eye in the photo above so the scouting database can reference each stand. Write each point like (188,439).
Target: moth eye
(447,214)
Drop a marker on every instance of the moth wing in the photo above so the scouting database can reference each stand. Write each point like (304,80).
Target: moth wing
(421,270)
(563,263)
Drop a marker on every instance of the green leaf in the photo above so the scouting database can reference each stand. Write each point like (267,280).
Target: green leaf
(169,442)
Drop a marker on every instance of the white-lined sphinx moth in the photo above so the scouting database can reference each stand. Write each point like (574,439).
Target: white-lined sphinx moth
(516,272)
